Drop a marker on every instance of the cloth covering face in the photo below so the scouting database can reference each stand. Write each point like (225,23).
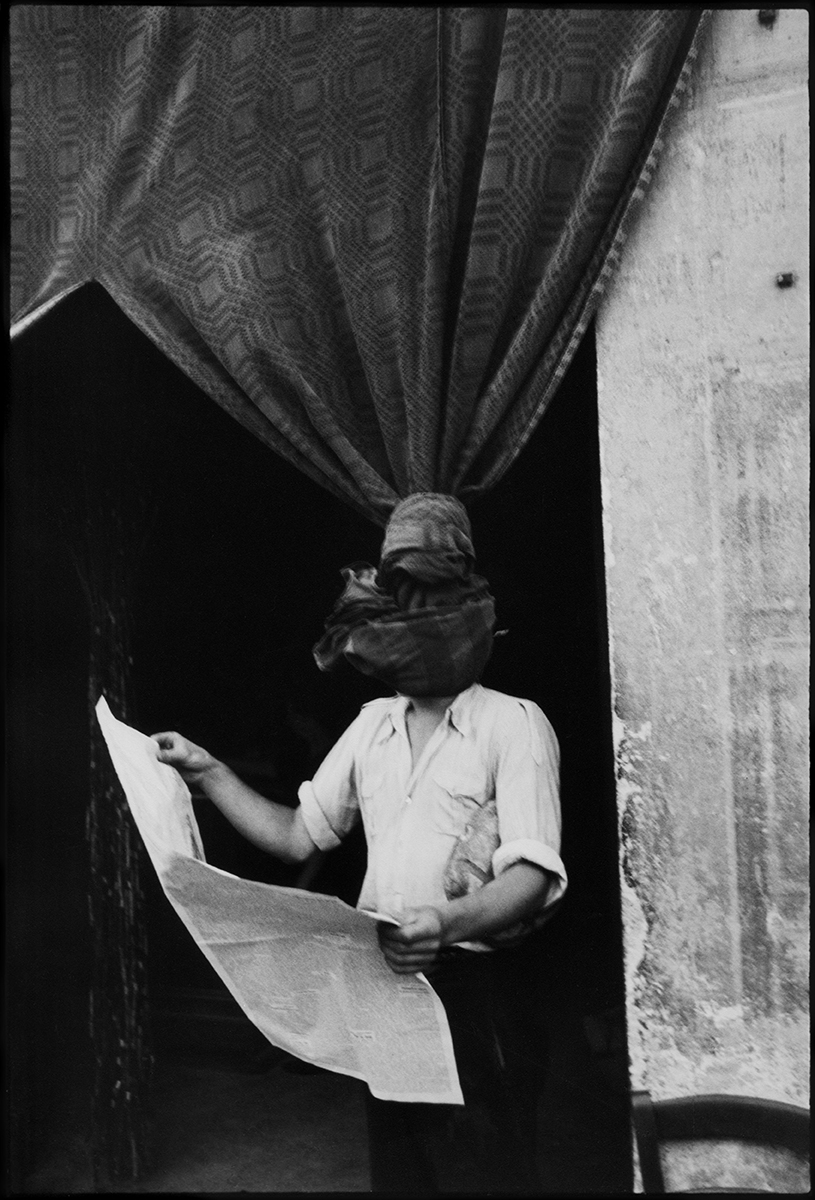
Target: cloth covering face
(429,538)
(423,623)
(434,652)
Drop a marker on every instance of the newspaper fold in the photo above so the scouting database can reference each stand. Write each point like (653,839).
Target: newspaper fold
(305,968)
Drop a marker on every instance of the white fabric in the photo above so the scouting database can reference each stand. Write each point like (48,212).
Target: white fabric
(487,744)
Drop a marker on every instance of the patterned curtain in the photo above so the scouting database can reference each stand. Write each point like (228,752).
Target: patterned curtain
(374,235)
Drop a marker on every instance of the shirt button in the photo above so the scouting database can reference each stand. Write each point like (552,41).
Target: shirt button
(407,799)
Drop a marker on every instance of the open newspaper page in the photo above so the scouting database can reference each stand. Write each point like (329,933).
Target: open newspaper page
(306,969)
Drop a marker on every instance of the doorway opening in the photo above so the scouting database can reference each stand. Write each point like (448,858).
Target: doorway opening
(230,590)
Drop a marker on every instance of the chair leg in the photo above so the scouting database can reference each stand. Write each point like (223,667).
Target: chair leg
(645,1131)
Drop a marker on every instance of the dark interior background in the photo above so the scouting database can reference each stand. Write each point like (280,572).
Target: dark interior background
(231,587)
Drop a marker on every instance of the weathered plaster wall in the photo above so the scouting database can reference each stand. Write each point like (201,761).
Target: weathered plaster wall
(703,384)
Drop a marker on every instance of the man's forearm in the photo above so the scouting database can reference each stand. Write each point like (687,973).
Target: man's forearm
(414,944)
(273,827)
(515,894)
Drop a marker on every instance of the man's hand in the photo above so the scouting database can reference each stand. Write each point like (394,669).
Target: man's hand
(275,828)
(189,760)
(413,945)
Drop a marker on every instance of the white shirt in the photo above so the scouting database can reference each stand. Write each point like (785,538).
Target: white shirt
(486,745)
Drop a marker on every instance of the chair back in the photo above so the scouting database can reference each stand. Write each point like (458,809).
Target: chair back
(713,1118)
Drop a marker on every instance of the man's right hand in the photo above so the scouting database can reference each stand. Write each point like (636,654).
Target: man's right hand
(191,761)
(275,828)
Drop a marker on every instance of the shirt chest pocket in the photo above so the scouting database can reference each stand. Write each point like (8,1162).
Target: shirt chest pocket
(460,795)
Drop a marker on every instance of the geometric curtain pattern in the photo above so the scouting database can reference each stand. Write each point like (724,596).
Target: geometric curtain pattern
(373,235)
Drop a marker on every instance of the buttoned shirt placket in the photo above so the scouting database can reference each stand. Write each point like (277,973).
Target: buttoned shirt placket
(434,744)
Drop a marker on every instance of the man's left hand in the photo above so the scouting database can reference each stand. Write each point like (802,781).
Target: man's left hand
(413,945)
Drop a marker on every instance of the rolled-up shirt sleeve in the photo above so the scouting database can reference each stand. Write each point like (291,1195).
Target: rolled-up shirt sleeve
(527,795)
(329,802)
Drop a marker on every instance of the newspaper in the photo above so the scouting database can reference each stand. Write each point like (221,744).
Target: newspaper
(305,968)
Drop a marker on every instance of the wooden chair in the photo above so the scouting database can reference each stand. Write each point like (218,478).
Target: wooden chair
(713,1118)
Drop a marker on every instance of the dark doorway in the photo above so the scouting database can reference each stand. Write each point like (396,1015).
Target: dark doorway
(232,584)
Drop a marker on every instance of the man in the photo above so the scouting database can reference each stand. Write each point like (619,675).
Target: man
(457,789)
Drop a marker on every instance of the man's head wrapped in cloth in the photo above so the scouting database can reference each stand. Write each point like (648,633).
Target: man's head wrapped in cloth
(423,622)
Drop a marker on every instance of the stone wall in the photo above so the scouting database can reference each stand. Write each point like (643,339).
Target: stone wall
(703,394)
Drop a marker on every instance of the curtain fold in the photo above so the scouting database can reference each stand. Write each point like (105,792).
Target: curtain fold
(373,235)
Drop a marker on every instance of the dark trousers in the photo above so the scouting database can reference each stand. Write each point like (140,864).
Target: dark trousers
(487,1146)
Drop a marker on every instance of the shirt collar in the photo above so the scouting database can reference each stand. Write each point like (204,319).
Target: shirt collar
(459,714)
(394,719)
